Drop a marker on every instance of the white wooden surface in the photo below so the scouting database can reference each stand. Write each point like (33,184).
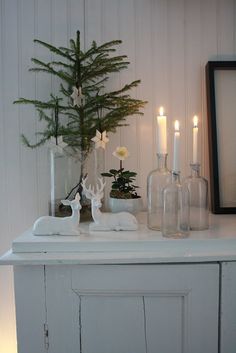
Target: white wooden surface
(123,309)
(30,308)
(228,308)
(168,43)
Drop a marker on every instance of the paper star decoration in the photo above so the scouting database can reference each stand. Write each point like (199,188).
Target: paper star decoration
(56,145)
(100,139)
(77,96)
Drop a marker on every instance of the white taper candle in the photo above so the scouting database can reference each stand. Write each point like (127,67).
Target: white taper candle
(195,138)
(161,132)
(176,160)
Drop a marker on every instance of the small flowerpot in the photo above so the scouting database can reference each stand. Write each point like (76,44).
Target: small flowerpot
(128,205)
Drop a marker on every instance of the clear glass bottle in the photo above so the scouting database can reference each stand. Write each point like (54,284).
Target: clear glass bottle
(157,180)
(198,190)
(175,221)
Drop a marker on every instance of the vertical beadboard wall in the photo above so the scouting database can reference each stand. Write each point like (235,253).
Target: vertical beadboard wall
(168,43)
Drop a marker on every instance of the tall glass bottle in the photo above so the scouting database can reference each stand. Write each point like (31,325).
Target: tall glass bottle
(198,190)
(157,180)
(175,221)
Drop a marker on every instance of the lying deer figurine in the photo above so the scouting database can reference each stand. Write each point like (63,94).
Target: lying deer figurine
(106,221)
(49,225)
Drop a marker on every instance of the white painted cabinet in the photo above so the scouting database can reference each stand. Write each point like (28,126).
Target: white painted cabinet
(118,308)
(127,292)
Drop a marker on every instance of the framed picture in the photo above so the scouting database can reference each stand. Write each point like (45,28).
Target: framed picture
(221,104)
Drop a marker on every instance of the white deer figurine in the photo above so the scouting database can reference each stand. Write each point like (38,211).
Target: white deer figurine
(106,221)
(49,225)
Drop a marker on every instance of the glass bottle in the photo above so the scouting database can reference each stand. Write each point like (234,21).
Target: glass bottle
(64,171)
(175,221)
(198,190)
(157,180)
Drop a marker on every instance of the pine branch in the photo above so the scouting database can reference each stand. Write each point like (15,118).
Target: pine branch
(54,49)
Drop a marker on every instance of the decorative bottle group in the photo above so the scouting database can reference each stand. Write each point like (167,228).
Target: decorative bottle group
(175,208)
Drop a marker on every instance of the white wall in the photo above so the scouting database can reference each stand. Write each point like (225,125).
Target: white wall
(168,43)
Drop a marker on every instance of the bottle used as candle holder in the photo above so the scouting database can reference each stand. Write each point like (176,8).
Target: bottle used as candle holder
(175,221)
(198,191)
(157,180)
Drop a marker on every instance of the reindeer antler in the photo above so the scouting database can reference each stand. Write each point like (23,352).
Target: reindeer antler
(102,186)
(89,192)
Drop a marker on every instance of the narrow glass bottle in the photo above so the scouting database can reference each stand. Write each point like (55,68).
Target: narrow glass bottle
(198,191)
(157,180)
(175,221)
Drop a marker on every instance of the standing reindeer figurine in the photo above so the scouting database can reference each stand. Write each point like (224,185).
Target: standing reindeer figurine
(106,221)
(49,225)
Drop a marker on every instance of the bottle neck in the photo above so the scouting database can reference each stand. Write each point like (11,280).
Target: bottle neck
(195,170)
(162,161)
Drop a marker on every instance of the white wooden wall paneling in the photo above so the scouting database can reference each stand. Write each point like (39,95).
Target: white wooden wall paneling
(128,134)
(43,89)
(159,82)
(192,77)
(27,88)
(143,64)
(176,63)
(225,25)
(110,30)
(10,118)
(209,51)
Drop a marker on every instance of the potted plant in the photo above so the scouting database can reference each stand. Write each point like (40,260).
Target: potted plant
(123,195)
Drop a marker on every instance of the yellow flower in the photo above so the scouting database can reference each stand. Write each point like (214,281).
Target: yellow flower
(121,153)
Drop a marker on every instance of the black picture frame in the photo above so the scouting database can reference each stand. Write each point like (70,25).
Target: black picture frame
(211,69)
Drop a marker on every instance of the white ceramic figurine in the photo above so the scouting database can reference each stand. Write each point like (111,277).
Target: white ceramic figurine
(106,221)
(49,225)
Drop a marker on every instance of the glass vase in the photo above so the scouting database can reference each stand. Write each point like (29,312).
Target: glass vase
(175,221)
(198,191)
(64,181)
(67,168)
(156,181)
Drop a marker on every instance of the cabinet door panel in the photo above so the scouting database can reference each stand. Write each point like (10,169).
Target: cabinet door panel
(165,324)
(112,324)
(133,308)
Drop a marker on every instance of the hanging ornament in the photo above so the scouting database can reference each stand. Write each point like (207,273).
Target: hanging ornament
(56,144)
(77,96)
(100,139)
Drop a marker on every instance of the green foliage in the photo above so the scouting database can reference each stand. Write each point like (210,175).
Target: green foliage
(89,71)
(122,185)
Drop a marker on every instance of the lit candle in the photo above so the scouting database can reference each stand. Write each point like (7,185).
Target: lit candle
(195,133)
(176,164)
(161,132)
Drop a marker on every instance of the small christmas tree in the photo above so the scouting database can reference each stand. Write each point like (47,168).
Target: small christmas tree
(82,106)
(84,100)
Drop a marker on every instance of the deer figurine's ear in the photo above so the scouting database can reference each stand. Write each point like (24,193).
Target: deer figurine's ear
(66,202)
(77,197)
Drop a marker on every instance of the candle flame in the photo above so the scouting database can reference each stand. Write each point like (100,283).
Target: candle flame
(161,111)
(176,125)
(195,121)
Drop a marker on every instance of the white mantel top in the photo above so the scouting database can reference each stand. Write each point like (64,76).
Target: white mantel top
(218,243)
